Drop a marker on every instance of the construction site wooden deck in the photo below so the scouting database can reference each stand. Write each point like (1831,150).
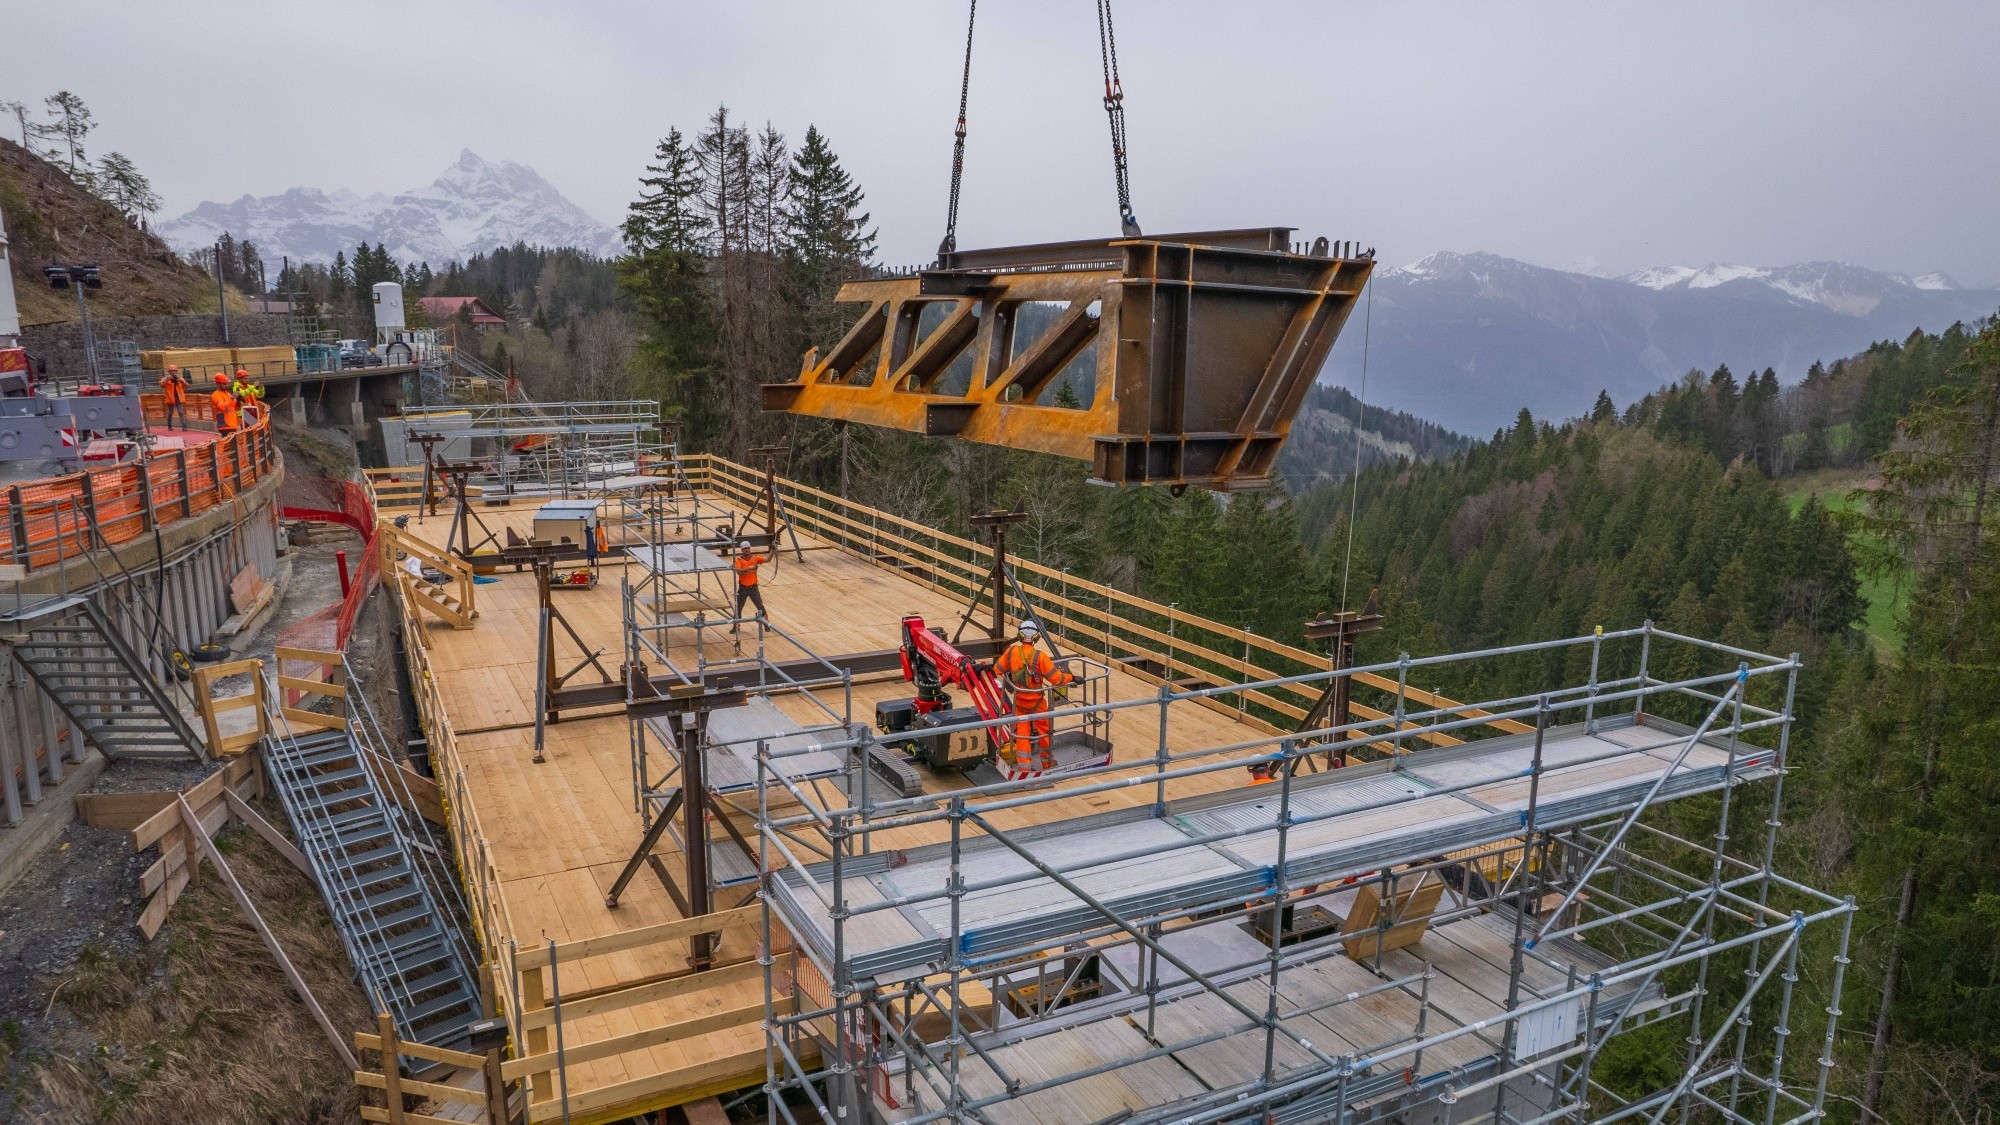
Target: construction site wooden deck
(555,834)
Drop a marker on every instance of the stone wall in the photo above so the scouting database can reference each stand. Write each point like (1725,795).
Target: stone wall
(60,345)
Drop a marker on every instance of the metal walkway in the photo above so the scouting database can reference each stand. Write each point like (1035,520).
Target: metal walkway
(1223,848)
(379,881)
(100,682)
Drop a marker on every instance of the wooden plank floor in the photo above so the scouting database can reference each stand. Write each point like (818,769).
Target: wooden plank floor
(560,830)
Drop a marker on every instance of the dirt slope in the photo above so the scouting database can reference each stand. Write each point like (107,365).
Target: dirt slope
(51,220)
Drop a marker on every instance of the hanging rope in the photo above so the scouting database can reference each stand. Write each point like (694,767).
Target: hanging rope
(1114,108)
(1354,481)
(950,242)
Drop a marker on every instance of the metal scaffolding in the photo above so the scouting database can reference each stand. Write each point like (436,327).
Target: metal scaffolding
(561,449)
(1438,934)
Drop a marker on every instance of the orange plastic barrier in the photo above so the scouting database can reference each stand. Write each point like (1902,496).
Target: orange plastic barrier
(49,522)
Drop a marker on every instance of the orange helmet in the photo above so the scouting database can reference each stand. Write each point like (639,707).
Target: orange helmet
(221,380)
(242,374)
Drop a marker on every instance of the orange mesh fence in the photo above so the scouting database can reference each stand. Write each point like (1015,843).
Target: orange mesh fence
(51,521)
(346,503)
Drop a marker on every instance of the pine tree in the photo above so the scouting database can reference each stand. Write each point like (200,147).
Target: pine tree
(664,274)
(120,183)
(70,122)
(825,228)
(1604,410)
(1932,760)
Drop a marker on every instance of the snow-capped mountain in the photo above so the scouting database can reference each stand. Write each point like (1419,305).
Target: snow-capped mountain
(1466,340)
(474,206)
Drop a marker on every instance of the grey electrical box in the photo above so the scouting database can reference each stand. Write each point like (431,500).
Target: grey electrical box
(574,520)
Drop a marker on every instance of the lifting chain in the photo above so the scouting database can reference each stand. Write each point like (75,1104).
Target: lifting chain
(1114,108)
(950,243)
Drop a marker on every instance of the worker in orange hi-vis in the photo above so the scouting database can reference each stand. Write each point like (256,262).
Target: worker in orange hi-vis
(746,565)
(228,417)
(1030,672)
(173,395)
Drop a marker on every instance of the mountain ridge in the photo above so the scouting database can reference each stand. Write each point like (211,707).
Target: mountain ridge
(1467,339)
(473,206)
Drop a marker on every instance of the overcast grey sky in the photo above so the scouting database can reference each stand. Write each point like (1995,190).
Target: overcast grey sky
(1621,133)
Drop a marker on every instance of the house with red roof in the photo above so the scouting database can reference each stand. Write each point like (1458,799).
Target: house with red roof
(442,310)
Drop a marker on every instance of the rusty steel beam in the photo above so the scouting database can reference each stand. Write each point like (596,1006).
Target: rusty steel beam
(1187,355)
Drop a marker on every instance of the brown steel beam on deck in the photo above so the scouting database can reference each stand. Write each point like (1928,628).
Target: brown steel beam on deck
(1205,345)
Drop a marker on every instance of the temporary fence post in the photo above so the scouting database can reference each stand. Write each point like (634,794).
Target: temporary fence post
(148,518)
(93,535)
(17,522)
(181,470)
(392,1076)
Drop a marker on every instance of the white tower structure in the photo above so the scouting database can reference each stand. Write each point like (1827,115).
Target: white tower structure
(388,311)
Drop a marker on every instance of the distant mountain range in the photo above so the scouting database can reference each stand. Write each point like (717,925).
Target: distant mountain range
(472,207)
(1467,340)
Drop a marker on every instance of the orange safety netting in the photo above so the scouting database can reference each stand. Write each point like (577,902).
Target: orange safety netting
(346,503)
(49,522)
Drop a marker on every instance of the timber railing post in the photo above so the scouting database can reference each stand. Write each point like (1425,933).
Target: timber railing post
(93,535)
(392,1077)
(535,998)
(496,1090)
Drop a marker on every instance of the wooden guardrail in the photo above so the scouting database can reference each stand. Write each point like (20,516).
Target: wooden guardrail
(1154,642)
(486,1097)
(452,600)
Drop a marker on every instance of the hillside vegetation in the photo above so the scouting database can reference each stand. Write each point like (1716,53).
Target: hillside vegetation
(53,220)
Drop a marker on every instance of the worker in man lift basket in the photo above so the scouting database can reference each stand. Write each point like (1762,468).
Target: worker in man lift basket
(228,417)
(746,564)
(1030,673)
(173,396)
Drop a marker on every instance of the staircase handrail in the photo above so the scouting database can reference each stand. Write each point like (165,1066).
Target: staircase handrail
(369,739)
(158,646)
(366,962)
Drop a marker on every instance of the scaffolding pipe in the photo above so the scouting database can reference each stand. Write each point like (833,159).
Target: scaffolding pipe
(1114,918)
(1618,837)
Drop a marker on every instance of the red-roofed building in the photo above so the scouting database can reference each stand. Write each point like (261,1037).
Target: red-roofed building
(441,310)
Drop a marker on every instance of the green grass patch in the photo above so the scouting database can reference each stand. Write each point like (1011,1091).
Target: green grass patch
(1885,594)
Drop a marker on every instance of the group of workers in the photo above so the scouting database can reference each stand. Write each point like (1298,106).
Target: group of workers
(235,403)
(1028,672)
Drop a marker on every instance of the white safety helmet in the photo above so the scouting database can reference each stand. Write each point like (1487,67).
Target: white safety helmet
(1029,630)
(743,545)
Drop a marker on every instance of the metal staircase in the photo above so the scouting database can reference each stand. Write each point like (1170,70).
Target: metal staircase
(382,880)
(72,652)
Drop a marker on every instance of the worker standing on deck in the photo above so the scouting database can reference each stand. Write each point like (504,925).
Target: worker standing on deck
(746,582)
(1030,672)
(249,396)
(173,395)
(227,415)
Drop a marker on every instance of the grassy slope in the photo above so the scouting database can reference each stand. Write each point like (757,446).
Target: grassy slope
(200,1025)
(51,220)
(1886,594)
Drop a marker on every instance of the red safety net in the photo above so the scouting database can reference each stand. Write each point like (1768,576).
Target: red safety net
(345,503)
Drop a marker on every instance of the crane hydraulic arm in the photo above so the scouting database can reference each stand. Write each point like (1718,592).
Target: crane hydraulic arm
(930,661)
